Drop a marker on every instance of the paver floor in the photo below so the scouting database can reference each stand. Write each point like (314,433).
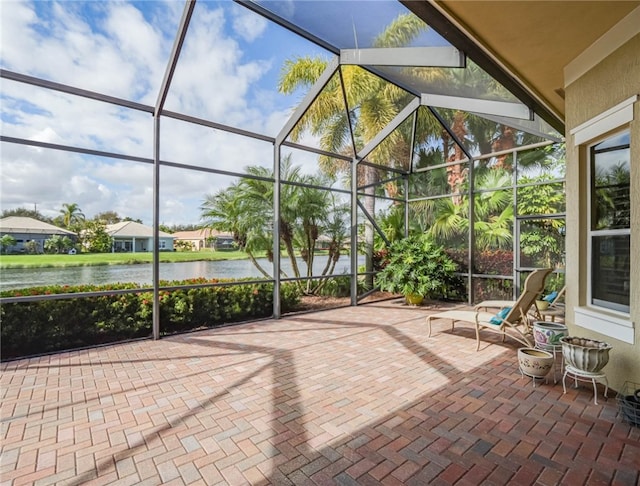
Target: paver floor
(350,396)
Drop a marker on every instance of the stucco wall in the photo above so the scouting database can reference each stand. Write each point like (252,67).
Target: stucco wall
(612,81)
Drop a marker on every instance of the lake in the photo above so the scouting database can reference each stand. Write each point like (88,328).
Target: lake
(16,278)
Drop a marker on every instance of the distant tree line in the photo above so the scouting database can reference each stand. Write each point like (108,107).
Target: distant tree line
(70,212)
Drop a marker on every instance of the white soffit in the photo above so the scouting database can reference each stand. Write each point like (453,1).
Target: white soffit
(614,38)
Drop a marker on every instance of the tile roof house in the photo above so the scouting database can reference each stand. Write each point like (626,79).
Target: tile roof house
(129,236)
(205,238)
(24,229)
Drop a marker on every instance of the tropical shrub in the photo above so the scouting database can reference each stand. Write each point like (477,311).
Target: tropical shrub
(336,287)
(37,327)
(417,266)
(58,244)
(6,243)
(32,247)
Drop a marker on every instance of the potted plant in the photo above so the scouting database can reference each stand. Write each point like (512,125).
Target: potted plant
(417,268)
(584,354)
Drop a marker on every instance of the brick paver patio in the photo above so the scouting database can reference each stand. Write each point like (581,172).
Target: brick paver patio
(349,396)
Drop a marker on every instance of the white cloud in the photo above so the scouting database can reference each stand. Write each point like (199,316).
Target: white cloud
(117,49)
(247,24)
(64,119)
(213,79)
(142,45)
(47,134)
(122,56)
(34,176)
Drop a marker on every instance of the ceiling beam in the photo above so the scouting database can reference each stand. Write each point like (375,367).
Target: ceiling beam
(444,56)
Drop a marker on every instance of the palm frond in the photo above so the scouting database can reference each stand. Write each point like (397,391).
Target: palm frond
(401,31)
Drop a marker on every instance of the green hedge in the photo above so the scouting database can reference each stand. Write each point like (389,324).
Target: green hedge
(31,328)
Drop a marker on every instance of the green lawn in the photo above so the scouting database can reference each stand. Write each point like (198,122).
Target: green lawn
(88,259)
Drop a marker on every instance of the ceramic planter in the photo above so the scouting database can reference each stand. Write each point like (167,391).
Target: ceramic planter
(542,305)
(585,355)
(414,299)
(535,362)
(548,334)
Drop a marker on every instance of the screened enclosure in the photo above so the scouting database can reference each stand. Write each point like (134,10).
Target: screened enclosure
(313,134)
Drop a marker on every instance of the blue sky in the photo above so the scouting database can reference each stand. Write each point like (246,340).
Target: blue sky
(227,73)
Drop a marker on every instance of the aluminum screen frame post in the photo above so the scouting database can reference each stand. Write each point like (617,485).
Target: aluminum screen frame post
(354,232)
(162,96)
(277,302)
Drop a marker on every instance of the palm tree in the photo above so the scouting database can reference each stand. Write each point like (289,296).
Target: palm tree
(245,209)
(493,215)
(71,214)
(230,211)
(371,104)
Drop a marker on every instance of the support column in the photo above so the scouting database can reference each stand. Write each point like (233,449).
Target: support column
(277,311)
(354,231)
(162,96)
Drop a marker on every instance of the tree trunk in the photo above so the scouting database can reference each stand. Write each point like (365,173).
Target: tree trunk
(257,265)
(505,141)
(287,239)
(455,174)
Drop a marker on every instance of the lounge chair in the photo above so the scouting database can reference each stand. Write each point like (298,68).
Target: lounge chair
(555,301)
(511,321)
(501,304)
(556,307)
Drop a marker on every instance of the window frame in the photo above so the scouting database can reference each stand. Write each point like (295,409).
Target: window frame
(591,233)
(616,119)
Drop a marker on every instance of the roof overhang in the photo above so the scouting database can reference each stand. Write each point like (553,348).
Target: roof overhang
(526,45)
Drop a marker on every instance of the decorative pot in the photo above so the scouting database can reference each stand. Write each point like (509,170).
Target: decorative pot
(535,362)
(548,333)
(414,299)
(585,355)
(542,305)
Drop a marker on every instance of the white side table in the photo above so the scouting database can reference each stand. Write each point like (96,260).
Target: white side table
(579,375)
(552,313)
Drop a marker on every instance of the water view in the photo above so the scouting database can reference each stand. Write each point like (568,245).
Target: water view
(16,278)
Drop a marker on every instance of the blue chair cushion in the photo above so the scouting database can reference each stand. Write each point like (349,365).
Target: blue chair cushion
(499,317)
(551,297)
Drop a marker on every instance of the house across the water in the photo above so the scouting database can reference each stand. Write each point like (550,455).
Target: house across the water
(206,238)
(130,237)
(24,230)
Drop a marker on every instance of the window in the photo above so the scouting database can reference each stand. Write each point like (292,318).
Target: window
(610,223)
